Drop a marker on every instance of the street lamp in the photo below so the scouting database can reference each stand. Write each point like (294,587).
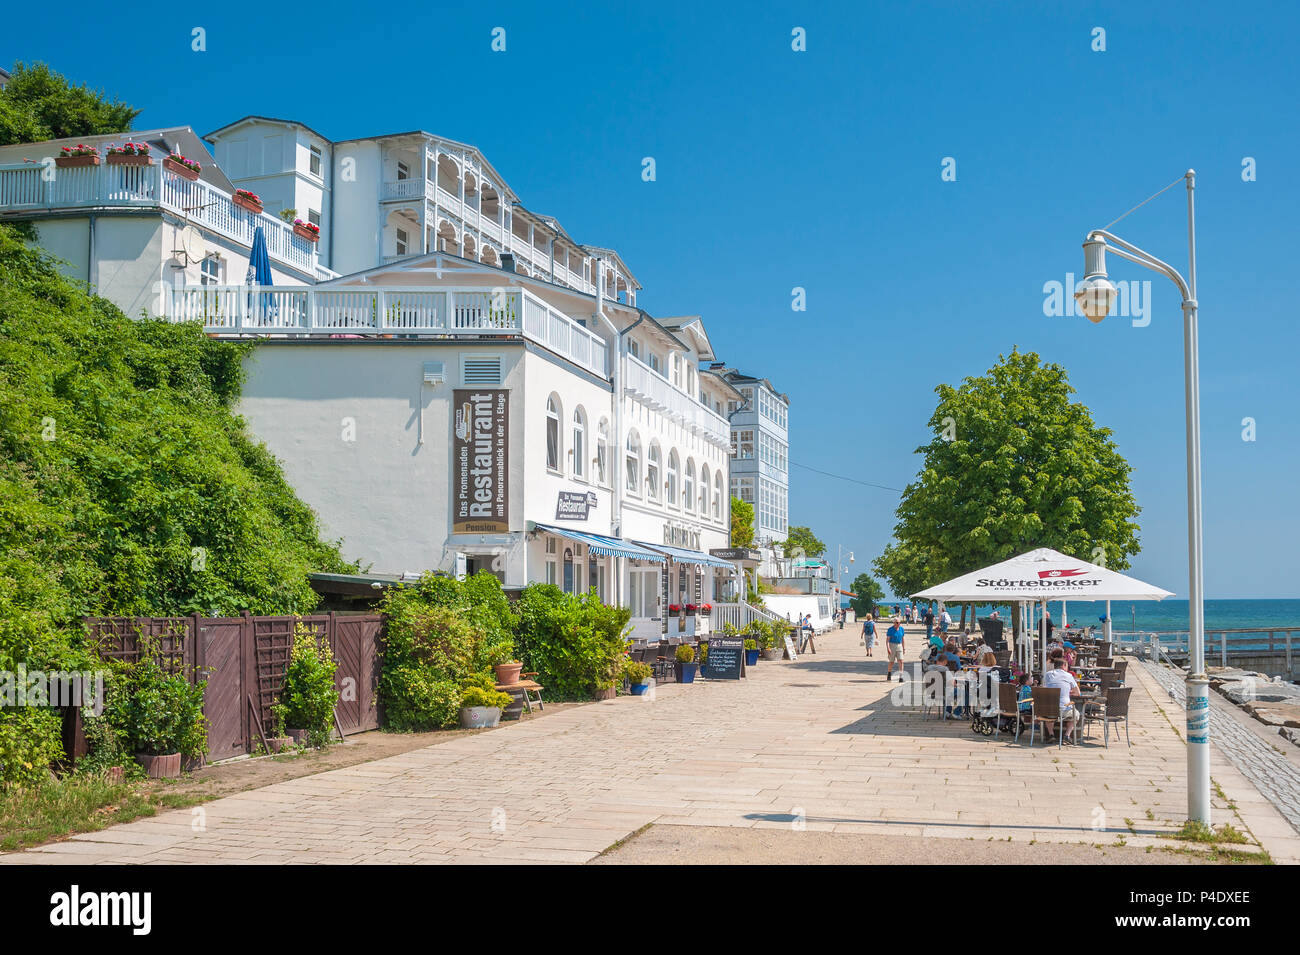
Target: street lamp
(840,571)
(1096,295)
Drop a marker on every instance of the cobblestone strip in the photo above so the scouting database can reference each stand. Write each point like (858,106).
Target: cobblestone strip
(1275,776)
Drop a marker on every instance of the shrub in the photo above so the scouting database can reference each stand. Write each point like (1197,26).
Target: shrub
(751,644)
(477,696)
(30,740)
(308,695)
(430,653)
(634,671)
(165,713)
(686,653)
(575,643)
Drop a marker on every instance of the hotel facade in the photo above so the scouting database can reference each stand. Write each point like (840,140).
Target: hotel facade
(485,396)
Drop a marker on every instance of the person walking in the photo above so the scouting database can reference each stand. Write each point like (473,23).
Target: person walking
(895,644)
(869,634)
(928,617)
(945,621)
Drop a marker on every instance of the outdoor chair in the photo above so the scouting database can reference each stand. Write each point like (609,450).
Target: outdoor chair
(1117,712)
(1121,670)
(1003,657)
(937,703)
(1105,662)
(1047,709)
(1009,707)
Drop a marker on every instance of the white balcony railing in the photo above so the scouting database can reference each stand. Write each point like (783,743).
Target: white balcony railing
(646,385)
(397,310)
(33,187)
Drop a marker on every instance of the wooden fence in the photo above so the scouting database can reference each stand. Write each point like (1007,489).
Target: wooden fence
(242,661)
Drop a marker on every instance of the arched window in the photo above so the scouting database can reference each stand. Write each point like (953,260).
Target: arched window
(634,462)
(602,453)
(553,433)
(652,474)
(717,496)
(688,488)
(579,448)
(704,490)
(674,476)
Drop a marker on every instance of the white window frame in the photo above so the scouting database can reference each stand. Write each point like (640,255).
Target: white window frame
(578,450)
(554,448)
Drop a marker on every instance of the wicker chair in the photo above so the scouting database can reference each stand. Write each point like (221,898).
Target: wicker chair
(1009,705)
(1047,709)
(1117,712)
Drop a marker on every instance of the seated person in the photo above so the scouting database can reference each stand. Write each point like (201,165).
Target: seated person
(1058,677)
(983,648)
(1025,694)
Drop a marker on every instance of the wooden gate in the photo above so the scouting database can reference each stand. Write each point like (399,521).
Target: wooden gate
(241,661)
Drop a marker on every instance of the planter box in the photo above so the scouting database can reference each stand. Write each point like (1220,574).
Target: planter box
(75,162)
(161,767)
(767,654)
(508,672)
(299,737)
(280,743)
(605,694)
(116,775)
(134,159)
(304,233)
(639,689)
(751,657)
(686,672)
(479,717)
(185,172)
(515,711)
(245,203)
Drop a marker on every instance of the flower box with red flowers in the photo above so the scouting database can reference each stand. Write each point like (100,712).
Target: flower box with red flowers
(690,610)
(70,157)
(129,154)
(674,609)
(185,168)
(306,230)
(706,609)
(247,200)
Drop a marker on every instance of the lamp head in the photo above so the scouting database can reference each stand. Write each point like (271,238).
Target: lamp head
(1095,294)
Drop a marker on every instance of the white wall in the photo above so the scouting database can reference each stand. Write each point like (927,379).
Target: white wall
(356,186)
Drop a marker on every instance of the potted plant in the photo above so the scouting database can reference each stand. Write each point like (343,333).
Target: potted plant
(185,168)
(638,675)
(70,157)
(308,694)
(690,610)
(165,720)
(503,662)
(129,154)
(751,651)
(250,201)
(279,740)
(685,664)
(765,636)
(305,230)
(480,708)
(706,610)
(674,610)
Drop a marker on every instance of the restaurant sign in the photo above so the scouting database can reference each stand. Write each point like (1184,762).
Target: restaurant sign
(480,455)
(737,554)
(574,505)
(679,535)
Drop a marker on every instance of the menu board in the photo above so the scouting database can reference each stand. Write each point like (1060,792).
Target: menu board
(726,658)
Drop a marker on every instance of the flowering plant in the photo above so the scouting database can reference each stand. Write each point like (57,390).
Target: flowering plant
(188,163)
(706,609)
(250,196)
(691,608)
(128,149)
(81,149)
(310,227)
(674,608)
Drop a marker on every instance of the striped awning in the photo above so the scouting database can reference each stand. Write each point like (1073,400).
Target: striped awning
(683,556)
(603,546)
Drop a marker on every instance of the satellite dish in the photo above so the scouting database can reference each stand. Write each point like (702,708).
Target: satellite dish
(191,244)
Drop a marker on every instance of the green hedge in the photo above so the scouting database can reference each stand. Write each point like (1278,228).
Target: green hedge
(575,643)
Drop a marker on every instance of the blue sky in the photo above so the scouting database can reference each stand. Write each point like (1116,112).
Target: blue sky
(821,169)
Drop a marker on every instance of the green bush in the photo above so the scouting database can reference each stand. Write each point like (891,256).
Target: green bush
(165,713)
(30,740)
(108,736)
(308,695)
(686,653)
(751,644)
(575,643)
(634,671)
(477,696)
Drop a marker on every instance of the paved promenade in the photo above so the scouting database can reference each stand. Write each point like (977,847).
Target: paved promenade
(815,745)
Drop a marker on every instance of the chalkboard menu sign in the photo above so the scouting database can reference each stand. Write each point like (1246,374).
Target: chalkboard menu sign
(726,658)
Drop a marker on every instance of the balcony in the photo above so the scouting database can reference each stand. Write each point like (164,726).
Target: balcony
(31,188)
(652,389)
(385,312)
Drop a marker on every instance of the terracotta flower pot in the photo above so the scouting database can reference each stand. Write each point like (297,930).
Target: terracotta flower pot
(608,694)
(129,159)
(304,233)
(161,767)
(280,743)
(509,672)
(182,170)
(116,775)
(246,203)
(73,162)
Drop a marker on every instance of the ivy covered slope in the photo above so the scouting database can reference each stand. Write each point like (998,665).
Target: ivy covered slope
(127,485)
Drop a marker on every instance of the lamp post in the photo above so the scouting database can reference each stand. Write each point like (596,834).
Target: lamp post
(840,571)
(1095,296)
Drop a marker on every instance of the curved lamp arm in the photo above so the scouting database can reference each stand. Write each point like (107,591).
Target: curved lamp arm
(1126,250)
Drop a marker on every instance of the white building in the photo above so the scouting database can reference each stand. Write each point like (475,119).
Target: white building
(438,411)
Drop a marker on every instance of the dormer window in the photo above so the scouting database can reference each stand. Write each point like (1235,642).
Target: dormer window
(314,161)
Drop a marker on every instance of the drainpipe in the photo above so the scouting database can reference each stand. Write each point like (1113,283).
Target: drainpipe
(616,439)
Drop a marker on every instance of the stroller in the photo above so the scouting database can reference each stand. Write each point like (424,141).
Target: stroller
(986,722)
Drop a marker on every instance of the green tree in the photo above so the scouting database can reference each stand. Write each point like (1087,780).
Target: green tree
(1013,464)
(38,103)
(742,523)
(869,593)
(802,540)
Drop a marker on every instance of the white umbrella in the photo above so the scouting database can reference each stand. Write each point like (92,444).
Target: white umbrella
(1042,575)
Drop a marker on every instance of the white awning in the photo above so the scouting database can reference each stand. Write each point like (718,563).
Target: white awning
(1043,574)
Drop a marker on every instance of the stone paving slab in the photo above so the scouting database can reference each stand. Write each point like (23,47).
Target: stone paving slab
(814,745)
